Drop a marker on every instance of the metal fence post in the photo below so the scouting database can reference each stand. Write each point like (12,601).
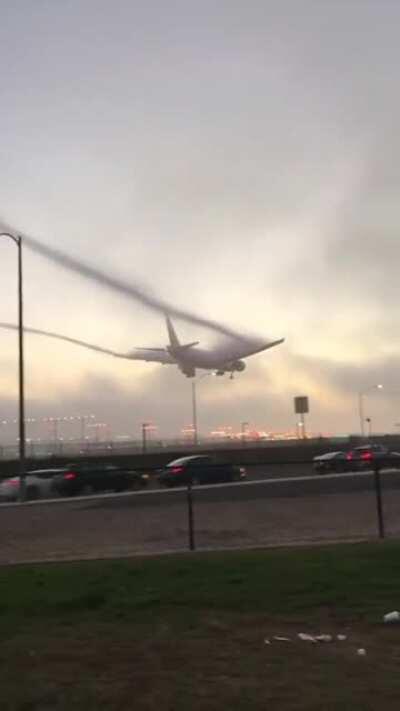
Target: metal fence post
(190,516)
(378,494)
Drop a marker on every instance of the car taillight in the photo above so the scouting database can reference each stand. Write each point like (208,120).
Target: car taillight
(176,470)
(366,455)
(70,475)
(349,456)
(14,481)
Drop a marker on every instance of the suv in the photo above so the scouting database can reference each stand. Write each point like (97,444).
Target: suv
(199,470)
(362,457)
(92,477)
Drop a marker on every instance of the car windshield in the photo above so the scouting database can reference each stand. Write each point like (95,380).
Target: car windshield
(45,472)
(183,461)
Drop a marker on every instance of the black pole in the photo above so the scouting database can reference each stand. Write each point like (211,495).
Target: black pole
(22,472)
(194,415)
(190,517)
(378,494)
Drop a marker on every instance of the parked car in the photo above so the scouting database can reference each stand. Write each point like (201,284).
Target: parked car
(39,484)
(357,459)
(91,477)
(331,462)
(201,469)
(364,456)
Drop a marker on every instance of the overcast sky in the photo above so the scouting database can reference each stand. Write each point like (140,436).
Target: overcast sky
(240,159)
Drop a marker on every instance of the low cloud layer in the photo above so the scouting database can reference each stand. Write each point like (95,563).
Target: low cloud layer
(262,395)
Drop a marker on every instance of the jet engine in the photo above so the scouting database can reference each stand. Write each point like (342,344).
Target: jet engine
(238,365)
(187,370)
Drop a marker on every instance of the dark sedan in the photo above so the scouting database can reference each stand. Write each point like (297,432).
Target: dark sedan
(200,469)
(96,477)
(331,462)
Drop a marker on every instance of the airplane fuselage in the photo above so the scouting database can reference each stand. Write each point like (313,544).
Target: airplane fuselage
(227,358)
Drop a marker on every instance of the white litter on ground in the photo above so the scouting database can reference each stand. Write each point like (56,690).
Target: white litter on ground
(392,616)
(307,637)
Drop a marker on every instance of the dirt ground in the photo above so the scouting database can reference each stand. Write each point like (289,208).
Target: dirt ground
(123,526)
(218,665)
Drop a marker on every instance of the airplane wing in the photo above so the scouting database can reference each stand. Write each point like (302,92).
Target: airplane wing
(265,346)
(274,343)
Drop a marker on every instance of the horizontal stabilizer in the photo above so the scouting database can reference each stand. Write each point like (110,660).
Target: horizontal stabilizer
(184,346)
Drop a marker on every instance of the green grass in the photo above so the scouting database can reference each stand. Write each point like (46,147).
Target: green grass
(187,631)
(356,579)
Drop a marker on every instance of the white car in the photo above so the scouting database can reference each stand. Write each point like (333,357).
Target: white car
(39,485)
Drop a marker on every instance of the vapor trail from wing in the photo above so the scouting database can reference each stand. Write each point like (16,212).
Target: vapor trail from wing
(76,341)
(121,286)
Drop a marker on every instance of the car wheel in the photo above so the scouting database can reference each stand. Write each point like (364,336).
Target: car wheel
(86,490)
(129,486)
(32,493)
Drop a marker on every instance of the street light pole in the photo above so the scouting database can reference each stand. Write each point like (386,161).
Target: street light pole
(361,413)
(22,483)
(144,438)
(194,408)
(361,405)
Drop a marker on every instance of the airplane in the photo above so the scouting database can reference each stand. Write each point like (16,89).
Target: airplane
(227,358)
(223,359)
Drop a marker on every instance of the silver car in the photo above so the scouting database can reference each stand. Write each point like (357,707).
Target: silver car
(38,485)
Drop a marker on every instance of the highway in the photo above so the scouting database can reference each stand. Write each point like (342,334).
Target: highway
(283,487)
(256,489)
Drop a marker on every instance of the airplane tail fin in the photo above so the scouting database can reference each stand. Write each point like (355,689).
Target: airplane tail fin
(175,346)
(173,338)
